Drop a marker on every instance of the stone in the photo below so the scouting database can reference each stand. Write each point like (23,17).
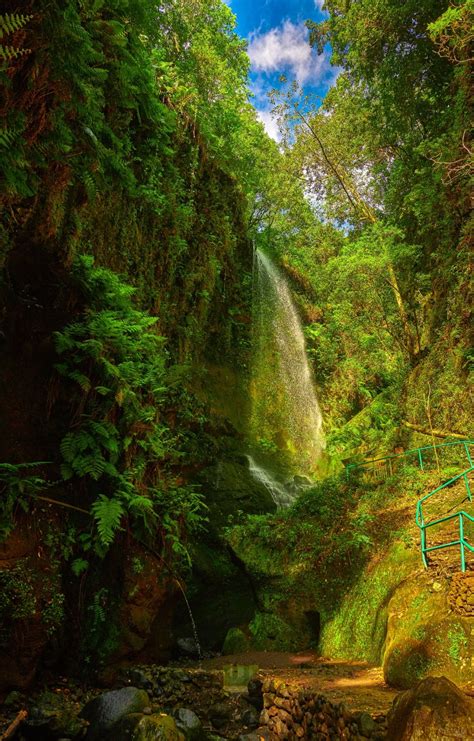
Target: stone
(434,710)
(104,711)
(159,727)
(188,647)
(366,724)
(250,717)
(139,678)
(220,714)
(257,735)
(188,723)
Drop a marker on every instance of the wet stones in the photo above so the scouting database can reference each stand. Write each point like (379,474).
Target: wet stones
(291,714)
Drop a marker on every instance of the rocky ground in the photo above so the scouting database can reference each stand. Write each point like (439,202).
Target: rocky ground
(356,684)
(245,697)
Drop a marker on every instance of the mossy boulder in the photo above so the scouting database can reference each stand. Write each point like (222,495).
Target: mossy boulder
(229,487)
(108,709)
(235,642)
(270,632)
(424,637)
(434,710)
(156,727)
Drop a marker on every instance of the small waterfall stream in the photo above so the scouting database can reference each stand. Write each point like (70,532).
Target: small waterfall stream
(285,412)
(279,492)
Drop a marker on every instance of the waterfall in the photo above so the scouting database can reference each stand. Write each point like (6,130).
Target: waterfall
(285,415)
(281,495)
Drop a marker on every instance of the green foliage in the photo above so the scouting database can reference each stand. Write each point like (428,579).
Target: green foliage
(9,24)
(29,594)
(18,600)
(101,631)
(270,631)
(18,488)
(120,442)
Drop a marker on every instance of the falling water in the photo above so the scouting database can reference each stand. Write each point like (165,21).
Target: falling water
(191,616)
(285,411)
(280,493)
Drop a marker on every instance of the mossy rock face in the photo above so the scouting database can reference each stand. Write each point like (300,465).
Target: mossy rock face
(357,630)
(424,638)
(271,633)
(229,487)
(406,663)
(435,709)
(235,642)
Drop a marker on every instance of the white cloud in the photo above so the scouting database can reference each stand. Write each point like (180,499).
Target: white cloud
(319,5)
(286,48)
(271,126)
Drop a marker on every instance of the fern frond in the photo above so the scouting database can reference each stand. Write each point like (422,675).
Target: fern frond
(107,514)
(7,53)
(11,22)
(7,137)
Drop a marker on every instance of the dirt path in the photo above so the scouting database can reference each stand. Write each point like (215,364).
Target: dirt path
(357,684)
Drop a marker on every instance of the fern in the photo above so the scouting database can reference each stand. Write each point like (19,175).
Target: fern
(18,488)
(117,364)
(10,23)
(108,514)
(7,137)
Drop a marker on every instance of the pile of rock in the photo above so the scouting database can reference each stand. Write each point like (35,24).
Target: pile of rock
(461,594)
(295,713)
(192,688)
(203,692)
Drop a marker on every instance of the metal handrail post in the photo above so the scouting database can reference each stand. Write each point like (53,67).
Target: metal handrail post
(420,458)
(461,542)
(468,488)
(468,453)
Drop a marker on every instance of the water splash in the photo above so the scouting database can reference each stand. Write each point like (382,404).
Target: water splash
(278,492)
(285,411)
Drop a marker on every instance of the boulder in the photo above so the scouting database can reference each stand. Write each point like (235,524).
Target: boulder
(157,727)
(188,723)
(366,724)
(188,647)
(434,710)
(106,710)
(250,717)
(255,693)
(236,642)
(220,714)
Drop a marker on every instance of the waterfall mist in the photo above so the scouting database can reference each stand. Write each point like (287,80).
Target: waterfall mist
(285,411)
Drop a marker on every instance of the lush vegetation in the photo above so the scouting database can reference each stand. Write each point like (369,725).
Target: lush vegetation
(136,179)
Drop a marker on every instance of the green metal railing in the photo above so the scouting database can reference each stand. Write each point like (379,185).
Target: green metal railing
(417,452)
(462,516)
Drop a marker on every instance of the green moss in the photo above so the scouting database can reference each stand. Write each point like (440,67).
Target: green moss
(357,630)
(457,642)
(235,642)
(407,665)
(270,632)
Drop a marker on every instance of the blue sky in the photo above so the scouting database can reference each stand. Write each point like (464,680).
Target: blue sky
(278,44)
